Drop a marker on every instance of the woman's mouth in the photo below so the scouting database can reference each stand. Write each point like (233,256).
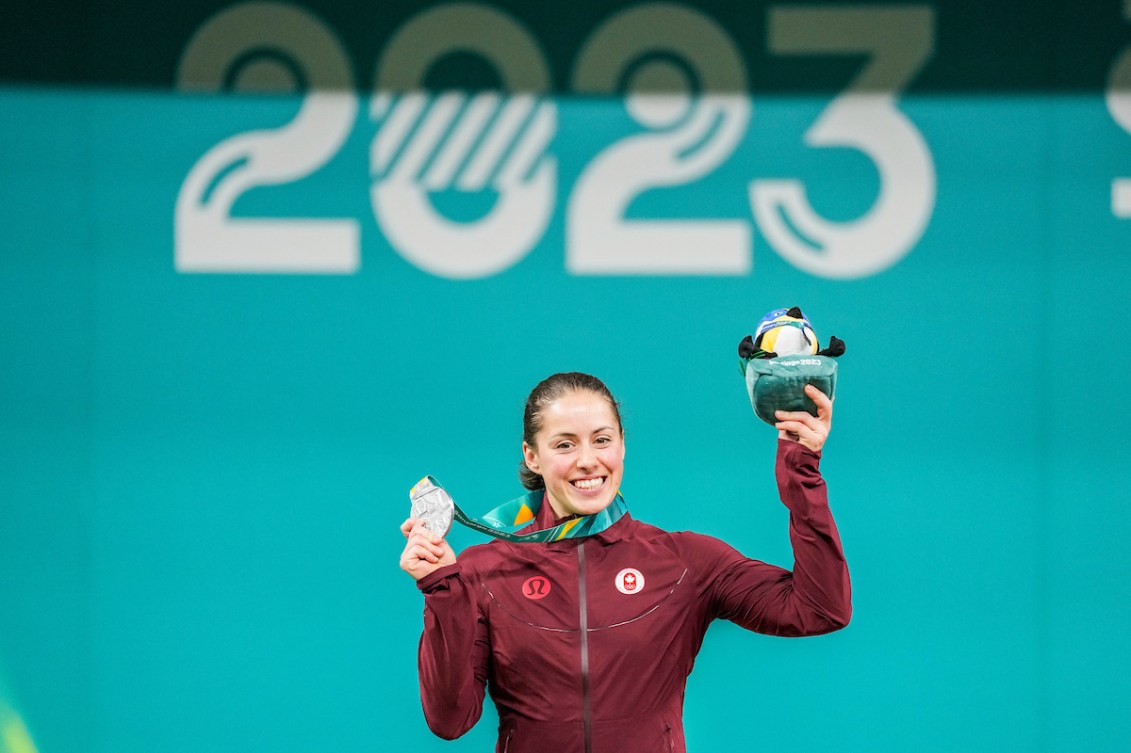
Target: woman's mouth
(588,484)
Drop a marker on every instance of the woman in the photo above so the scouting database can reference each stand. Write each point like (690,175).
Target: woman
(585,644)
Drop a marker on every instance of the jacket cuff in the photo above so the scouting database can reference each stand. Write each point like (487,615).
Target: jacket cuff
(434,580)
(796,451)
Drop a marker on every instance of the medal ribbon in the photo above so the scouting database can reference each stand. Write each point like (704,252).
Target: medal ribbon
(503,521)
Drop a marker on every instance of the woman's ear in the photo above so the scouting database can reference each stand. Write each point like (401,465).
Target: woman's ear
(531,458)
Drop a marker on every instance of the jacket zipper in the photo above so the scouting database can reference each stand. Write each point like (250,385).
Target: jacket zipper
(586,715)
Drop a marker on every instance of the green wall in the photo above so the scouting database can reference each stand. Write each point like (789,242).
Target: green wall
(228,349)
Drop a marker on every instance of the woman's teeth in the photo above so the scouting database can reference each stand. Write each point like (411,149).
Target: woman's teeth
(588,483)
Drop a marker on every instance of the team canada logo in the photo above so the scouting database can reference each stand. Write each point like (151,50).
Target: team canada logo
(630,581)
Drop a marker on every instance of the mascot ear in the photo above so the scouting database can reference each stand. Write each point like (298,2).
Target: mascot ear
(835,349)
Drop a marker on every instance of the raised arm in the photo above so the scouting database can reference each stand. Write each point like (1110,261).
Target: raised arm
(815,597)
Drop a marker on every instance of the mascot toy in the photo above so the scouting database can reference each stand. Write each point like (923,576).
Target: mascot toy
(780,358)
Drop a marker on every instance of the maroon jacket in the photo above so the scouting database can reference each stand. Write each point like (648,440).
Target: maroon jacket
(586,644)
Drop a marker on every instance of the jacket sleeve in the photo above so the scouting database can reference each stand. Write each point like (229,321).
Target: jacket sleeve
(816,596)
(454,651)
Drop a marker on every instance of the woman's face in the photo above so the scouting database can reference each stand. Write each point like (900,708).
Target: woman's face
(579,453)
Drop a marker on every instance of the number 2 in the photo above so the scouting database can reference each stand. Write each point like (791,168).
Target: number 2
(207,237)
(690,134)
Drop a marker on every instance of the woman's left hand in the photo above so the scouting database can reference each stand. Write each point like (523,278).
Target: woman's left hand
(807,429)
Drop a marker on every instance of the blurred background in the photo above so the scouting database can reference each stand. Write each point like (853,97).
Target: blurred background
(264,265)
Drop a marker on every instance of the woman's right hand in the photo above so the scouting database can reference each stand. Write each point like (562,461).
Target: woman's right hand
(804,428)
(424,551)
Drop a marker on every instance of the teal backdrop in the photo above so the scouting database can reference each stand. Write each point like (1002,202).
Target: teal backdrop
(265,265)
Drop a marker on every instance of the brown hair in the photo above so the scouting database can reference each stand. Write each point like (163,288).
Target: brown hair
(547,391)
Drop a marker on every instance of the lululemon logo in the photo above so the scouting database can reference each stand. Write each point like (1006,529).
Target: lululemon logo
(630,581)
(536,588)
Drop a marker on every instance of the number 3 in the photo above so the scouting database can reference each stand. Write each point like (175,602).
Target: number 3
(864,117)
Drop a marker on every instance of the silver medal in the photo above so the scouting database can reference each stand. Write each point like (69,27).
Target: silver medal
(433,505)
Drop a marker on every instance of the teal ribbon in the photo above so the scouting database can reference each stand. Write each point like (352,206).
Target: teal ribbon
(503,521)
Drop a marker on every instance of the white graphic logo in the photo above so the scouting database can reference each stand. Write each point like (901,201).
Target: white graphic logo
(630,581)
(465,185)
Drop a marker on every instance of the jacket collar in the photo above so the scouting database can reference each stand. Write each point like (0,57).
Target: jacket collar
(544,518)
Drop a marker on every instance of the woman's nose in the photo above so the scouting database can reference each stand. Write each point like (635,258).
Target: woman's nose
(586,457)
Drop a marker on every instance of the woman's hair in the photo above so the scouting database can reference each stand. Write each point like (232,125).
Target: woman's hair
(547,391)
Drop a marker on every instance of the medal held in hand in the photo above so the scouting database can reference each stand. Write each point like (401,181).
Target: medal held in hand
(433,505)
(780,358)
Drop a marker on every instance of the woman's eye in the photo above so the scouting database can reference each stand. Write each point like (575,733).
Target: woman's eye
(602,440)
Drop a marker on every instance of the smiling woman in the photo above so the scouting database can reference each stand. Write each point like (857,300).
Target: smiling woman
(585,643)
(572,444)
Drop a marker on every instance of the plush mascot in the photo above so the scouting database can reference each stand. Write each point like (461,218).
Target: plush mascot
(780,358)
